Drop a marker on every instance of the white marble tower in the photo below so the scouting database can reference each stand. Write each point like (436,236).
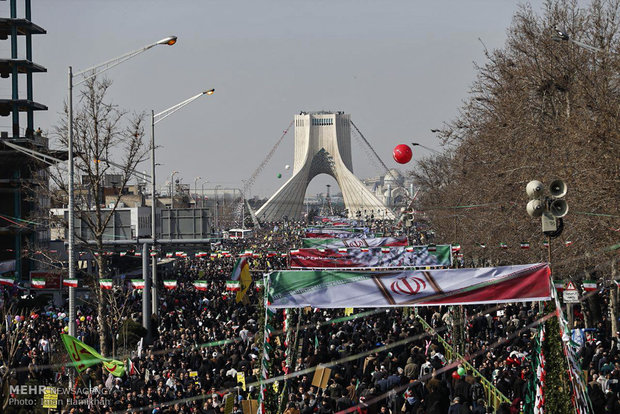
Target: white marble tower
(322,146)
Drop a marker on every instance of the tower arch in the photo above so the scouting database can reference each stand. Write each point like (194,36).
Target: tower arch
(322,146)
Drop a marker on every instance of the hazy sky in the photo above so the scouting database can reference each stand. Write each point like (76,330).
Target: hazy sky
(399,68)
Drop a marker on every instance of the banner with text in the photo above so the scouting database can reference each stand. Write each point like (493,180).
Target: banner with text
(354,242)
(335,232)
(372,257)
(340,289)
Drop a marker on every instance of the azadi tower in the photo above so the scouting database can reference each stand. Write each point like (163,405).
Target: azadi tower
(322,146)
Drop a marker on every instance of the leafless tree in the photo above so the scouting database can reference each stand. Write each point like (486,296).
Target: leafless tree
(541,108)
(102,132)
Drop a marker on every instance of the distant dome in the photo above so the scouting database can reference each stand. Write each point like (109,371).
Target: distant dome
(393,175)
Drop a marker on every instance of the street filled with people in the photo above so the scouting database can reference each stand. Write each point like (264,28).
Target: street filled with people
(207,349)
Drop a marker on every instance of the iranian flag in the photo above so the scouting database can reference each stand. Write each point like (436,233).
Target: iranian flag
(201,254)
(525,245)
(385,250)
(346,289)
(201,285)
(180,254)
(154,253)
(482,245)
(70,282)
(7,281)
(342,249)
(589,285)
(503,245)
(233,285)
(545,244)
(283,254)
(432,248)
(38,283)
(169,254)
(559,285)
(138,254)
(105,283)
(456,248)
(123,254)
(131,368)
(170,284)
(409,249)
(248,252)
(271,253)
(137,283)
(294,251)
(365,249)
(568,243)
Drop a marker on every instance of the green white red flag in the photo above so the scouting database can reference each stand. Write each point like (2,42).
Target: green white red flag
(137,283)
(7,281)
(70,282)
(105,284)
(233,285)
(201,285)
(589,285)
(37,283)
(170,284)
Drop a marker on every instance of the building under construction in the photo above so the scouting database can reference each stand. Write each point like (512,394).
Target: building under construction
(17,128)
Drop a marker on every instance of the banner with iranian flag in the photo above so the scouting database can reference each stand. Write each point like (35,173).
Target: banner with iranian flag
(345,289)
(354,242)
(372,257)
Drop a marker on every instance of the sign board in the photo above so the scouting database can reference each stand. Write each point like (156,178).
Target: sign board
(249,406)
(570,293)
(321,376)
(50,398)
(229,401)
(53,279)
(241,379)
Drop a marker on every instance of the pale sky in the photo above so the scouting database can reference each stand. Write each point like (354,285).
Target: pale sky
(398,67)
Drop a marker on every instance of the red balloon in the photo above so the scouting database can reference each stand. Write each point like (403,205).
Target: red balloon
(455,375)
(402,154)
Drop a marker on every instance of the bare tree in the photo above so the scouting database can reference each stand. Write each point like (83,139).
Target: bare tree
(102,132)
(539,109)
(11,337)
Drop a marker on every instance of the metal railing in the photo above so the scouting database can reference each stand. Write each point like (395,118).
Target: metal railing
(493,396)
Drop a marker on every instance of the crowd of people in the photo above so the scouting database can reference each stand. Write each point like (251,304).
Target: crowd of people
(381,361)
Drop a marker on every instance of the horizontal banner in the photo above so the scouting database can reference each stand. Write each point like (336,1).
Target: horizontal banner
(339,289)
(337,232)
(372,257)
(354,242)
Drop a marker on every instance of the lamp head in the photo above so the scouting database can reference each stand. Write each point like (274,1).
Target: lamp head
(170,40)
(209,92)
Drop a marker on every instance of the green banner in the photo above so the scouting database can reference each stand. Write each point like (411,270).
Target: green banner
(83,356)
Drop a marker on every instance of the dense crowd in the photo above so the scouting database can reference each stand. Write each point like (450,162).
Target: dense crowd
(383,361)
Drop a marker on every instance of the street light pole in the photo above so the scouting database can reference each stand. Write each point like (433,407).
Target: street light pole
(155,118)
(196,190)
(154,301)
(87,74)
(172,189)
